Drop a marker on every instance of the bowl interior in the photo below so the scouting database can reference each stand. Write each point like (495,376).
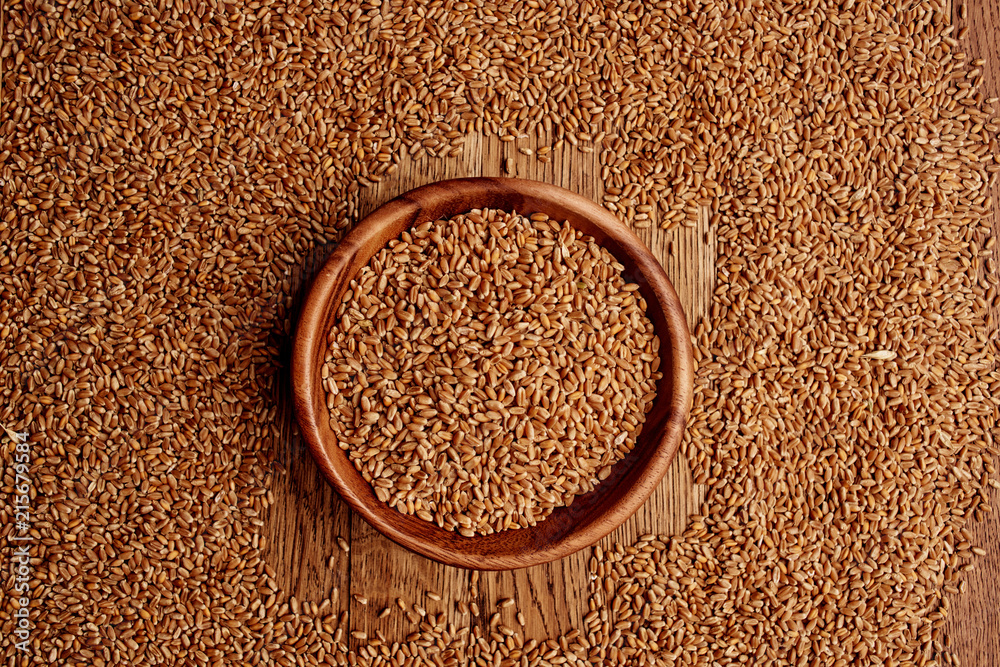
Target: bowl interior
(591,516)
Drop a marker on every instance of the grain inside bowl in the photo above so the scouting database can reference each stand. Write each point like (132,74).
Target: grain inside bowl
(487,369)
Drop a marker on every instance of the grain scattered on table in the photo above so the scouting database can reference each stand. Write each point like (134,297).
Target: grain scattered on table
(163,167)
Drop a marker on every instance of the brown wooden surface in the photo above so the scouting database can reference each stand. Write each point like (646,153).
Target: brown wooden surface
(307,516)
(973,627)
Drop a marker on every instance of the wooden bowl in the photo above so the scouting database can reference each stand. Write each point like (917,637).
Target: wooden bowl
(567,529)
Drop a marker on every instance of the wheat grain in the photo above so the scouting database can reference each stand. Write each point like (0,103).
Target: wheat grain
(488,368)
(165,168)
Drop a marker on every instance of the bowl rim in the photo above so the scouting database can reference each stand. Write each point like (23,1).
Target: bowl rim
(312,326)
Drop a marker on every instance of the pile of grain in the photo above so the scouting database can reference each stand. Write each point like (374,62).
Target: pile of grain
(164,166)
(488,369)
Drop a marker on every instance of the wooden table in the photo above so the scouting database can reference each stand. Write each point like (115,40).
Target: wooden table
(974,624)
(307,517)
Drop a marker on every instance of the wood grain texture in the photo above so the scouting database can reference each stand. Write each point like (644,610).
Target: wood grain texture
(973,627)
(308,515)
